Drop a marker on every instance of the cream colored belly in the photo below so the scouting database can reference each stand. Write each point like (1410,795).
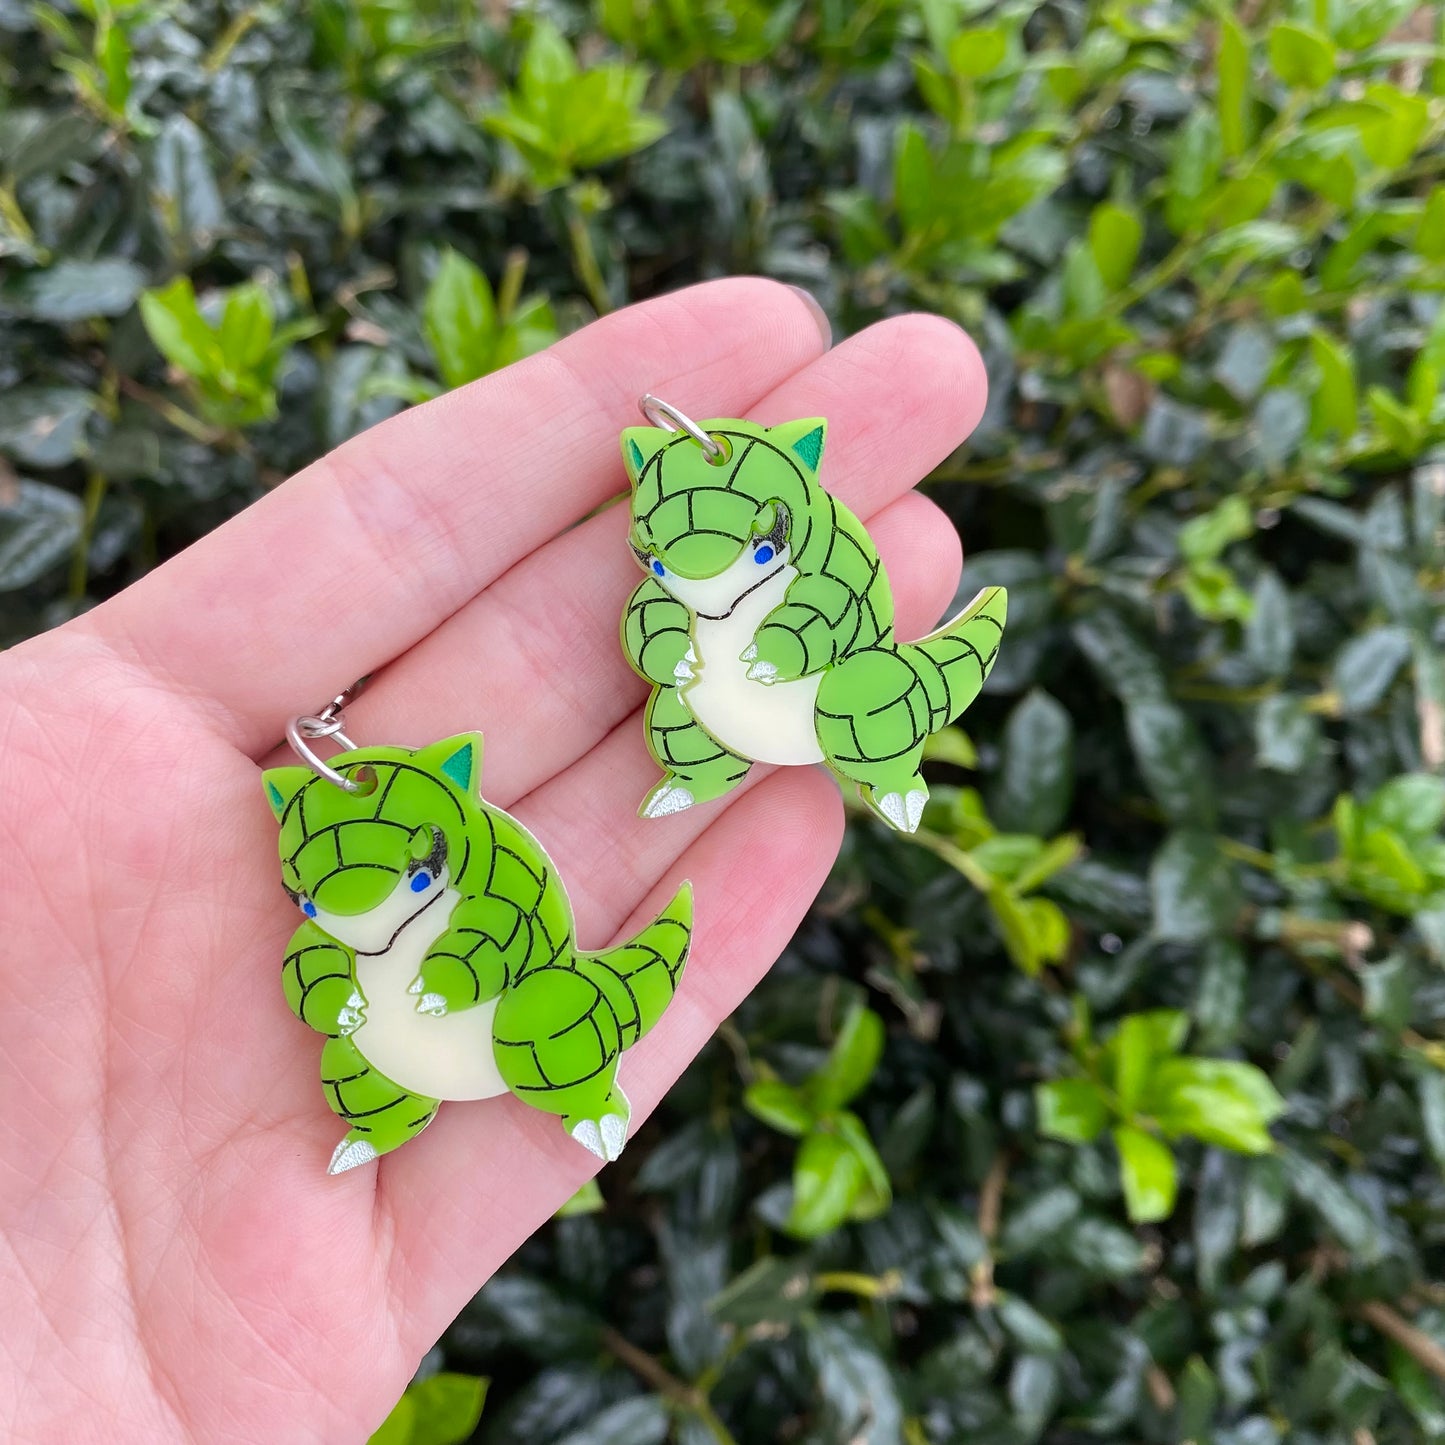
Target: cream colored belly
(770,723)
(449,1057)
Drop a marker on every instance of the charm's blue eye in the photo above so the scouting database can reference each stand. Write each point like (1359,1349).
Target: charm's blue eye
(308,908)
(658,569)
(763,555)
(420,882)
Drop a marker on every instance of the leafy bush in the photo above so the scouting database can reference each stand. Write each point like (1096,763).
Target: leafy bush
(1114,1106)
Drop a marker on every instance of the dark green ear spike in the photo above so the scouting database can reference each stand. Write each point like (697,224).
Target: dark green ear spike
(810,448)
(460,765)
(282,784)
(458,760)
(639,445)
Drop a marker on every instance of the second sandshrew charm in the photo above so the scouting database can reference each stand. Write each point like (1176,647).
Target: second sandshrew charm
(765,623)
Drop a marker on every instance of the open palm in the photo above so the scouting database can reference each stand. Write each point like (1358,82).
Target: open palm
(174,1260)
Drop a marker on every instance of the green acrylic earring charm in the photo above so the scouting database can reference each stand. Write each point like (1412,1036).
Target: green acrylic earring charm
(438,955)
(765,623)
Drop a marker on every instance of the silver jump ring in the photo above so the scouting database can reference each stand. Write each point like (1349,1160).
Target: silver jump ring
(669,418)
(301,731)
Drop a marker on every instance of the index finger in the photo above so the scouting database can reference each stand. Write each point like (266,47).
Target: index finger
(360,555)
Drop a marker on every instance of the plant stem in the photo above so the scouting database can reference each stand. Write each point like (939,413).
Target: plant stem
(180,418)
(1415,1342)
(95,484)
(689,1397)
(865,1286)
(584,258)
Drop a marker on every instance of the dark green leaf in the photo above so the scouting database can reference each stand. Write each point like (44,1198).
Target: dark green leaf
(1343,1214)
(1287,736)
(1173,761)
(642,1420)
(1195,888)
(771,1291)
(1039,1221)
(855,1385)
(184,188)
(1367,665)
(44,426)
(1269,634)
(39,527)
(75,290)
(1030,1330)
(1036,782)
(1033,1390)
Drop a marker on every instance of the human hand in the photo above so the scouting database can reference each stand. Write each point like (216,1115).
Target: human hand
(175,1262)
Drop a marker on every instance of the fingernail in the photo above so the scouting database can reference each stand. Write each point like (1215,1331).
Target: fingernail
(820,317)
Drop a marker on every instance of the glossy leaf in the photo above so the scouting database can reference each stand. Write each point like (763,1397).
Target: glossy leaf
(828,1177)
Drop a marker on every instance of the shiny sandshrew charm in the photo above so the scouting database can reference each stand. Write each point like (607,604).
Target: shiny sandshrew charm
(765,623)
(437,952)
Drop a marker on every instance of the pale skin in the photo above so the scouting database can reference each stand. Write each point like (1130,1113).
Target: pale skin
(175,1263)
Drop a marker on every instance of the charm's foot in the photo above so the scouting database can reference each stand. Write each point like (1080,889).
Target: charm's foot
(605,1133)
(352,1014)
(667,798)
(899,809)
(351,1153)
(614,1134)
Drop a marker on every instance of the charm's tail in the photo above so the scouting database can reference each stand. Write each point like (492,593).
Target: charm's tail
(639,977)
(953,662)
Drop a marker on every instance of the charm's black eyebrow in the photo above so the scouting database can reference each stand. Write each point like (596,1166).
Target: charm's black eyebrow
(434,861)
(778,534)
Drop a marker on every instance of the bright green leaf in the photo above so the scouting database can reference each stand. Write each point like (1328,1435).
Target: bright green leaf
(780,1106)
(1232,75)
(460,316)
(1115,235)
(851,1061)
(1148,1174)
(828,1176)
(1074,1110)
(181,334)
(1301,57)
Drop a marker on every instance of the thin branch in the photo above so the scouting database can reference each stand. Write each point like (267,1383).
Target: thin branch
(1414,1341)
